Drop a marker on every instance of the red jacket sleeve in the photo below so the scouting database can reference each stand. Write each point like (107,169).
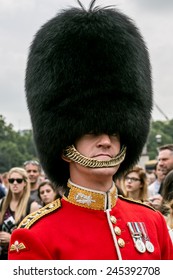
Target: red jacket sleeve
(25,245)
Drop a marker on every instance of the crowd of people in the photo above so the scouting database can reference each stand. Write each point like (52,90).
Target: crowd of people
(158,193)
(25,190)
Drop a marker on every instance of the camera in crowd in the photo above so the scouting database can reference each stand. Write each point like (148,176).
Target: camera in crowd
(9,225)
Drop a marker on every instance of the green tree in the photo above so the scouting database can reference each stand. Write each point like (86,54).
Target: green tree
(165,130)
(15,147)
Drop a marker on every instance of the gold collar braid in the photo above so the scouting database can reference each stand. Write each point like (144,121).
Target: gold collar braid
(72,154)
(91,199)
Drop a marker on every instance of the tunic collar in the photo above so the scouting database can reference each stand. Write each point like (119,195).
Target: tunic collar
(91,199)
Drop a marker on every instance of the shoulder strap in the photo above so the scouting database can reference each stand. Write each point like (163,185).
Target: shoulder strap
(136,202)
(30,219)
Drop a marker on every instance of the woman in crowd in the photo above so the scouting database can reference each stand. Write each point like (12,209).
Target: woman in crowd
(15,206)
(135,184)
(47,192)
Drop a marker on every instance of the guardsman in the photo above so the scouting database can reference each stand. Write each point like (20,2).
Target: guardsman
(89,93)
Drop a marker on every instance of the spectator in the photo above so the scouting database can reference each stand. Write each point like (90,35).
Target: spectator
(33,168)
(47,192)
(167,187)
(154,188)
(135,184)
(5,181)
(165,160)
(165,165)
(15,206)
(166,206)
(2,191)
(169,218)
(155,198)
(151,177)
(166,209)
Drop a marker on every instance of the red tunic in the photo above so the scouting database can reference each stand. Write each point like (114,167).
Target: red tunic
(74,229)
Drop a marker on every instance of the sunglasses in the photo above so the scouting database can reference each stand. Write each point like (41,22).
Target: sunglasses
(18,180)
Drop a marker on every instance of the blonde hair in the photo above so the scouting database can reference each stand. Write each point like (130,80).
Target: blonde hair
(21,208)
(143,196)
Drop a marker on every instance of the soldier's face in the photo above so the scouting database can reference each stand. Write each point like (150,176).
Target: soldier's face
(101,147)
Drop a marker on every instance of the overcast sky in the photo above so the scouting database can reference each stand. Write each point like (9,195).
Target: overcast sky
(20,20)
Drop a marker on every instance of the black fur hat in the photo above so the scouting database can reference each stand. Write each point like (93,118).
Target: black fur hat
(88,71)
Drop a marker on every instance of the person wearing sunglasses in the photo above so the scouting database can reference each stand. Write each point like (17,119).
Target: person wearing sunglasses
(89,94)
(15,206)
(135,184)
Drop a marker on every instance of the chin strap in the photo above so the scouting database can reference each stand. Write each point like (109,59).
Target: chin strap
(72,154)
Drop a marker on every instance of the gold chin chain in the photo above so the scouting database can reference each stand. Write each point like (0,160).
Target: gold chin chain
(72,154)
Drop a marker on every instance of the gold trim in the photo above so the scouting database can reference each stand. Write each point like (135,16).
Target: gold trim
(30,219)
(72,154)
(136,201)
(91,199)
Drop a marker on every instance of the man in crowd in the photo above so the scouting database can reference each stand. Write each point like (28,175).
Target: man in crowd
(33,169)
(163,167)
(165,160)
(89,92)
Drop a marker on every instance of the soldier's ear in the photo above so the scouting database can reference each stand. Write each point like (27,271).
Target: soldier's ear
(65,158)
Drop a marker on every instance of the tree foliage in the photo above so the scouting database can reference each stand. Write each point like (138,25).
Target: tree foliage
(161,133)
(15,147)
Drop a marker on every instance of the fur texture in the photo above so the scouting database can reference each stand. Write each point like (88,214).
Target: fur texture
(88,71)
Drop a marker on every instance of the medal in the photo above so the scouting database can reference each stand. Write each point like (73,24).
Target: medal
(148,244)
(140,246)
(137,237)
(140,237)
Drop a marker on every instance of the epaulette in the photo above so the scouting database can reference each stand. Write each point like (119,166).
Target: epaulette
(30,219)
(136,202)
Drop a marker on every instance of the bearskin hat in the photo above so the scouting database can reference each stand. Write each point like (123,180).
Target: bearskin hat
(88,70)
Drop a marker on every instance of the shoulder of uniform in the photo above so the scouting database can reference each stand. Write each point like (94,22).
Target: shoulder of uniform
(30,219)
(136,202)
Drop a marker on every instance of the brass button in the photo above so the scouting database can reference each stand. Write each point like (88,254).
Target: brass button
(113,219)
(117,230)
(121,242)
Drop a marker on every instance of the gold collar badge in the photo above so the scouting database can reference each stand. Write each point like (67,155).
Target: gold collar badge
(91,199)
